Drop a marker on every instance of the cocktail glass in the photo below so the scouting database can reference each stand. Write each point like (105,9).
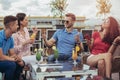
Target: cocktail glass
(56,55)
(38,56)
(74,57)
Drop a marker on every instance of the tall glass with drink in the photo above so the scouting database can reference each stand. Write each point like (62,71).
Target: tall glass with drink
(74,56)
(56,55)
(38,56)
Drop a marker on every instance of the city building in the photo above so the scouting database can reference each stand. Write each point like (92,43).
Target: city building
(48,22)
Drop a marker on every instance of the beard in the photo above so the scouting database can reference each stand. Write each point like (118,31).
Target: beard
(69,25)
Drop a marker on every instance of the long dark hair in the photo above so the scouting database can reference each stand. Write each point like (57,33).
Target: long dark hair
(112,32)
(20,17)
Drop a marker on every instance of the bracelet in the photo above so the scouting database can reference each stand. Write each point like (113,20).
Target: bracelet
(115,44)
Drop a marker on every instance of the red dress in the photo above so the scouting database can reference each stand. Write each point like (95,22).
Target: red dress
(98,45)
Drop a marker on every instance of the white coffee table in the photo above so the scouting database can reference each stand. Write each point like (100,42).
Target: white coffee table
(58,71)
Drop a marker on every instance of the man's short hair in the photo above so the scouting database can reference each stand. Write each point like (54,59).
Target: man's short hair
(71,15)
(8,19)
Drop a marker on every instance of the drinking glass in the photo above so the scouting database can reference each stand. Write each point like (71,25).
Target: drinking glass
(74,56)
(38,56)
(56,55)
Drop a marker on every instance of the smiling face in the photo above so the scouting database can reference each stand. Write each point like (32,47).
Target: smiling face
(24,23)
(13,26)
(68,22)
(106,24)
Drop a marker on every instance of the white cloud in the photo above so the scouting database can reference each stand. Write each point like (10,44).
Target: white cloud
(41,7)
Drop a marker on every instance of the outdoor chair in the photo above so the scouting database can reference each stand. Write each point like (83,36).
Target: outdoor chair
(25,70)
(116,66)
(115,63)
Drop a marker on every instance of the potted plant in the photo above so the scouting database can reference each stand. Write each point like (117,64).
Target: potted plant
(58,8)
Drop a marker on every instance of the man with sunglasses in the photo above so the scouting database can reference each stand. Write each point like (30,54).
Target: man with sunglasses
(10,64)
(64,39)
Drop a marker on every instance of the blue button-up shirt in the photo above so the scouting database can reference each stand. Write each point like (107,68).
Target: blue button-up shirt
(65,41)
(5,44)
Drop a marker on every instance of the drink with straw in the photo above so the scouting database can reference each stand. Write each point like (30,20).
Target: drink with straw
(55,53)
(38,56)
(74,56)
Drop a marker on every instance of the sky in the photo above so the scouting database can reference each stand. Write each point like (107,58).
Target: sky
(85,8)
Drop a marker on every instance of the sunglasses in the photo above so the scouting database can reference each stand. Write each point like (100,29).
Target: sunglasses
(65,21)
